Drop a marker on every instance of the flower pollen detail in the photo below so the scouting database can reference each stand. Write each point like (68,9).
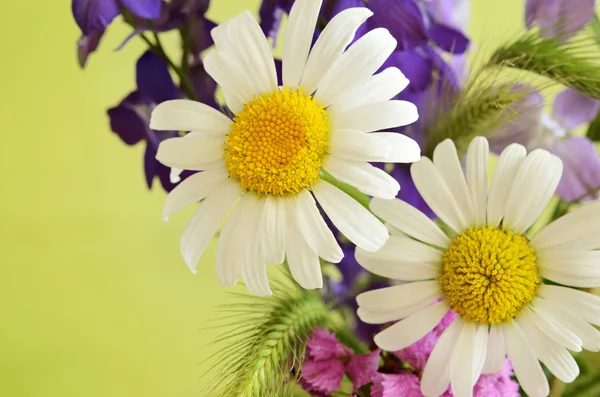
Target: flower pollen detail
(489,274)
(277,142)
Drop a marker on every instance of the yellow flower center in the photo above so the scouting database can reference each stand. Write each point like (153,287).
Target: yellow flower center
(277,142)
(489,274)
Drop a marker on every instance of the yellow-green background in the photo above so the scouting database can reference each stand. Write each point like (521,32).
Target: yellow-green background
(94,297)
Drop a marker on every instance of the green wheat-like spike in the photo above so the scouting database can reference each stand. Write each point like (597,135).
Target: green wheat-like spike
(480,109)
(573,64)
(259,361)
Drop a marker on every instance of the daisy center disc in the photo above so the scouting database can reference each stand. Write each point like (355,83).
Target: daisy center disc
(489,274)
(277,142)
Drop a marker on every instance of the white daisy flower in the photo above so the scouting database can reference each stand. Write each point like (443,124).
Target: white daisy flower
(269,157)
(489,271)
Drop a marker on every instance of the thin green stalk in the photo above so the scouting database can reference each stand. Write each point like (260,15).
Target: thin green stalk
(183,76)
(351,191)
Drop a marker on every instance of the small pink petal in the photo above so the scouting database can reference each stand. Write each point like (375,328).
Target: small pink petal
(362,369)
(323,376)
(324,346)
(392,385)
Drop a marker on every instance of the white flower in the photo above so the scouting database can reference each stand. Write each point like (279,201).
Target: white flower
(269,157)
(488,272)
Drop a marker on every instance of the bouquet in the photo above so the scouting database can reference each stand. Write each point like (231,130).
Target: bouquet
(435,229)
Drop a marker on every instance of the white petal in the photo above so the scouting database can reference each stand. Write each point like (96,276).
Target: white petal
(253,52)
(376,316)
(205,221)
(358,146)
(470,344)
(398,296)
(297,39)
(382,86)
(234,102)
(336,36)
(504,175)
(572,231)
(554,329)
(356,65)
(365,177)
(376,116)
(186,115)
(193,189)
(554,356)
(303,261)
(190,153)
(525,364)
(229,75)
(406,332)
(496,350)
(272,240)
(352,219)
(445,159)
(229,269)
(580,280)
(532,189)
(402,258)
(582,304)
(436,375)
(254,271)
(477,170)
(410,220)
(402,149)
(436,194)
(589,335)
(571,263)
(312,225)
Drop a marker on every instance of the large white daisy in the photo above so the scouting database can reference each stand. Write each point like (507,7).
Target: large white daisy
(489,271)
(266,162)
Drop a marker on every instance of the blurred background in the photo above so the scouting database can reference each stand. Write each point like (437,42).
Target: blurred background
(95,299)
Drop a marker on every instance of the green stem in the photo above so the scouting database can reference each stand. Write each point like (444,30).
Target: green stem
(184,33)
(351,191)
(349,339)
(183,76)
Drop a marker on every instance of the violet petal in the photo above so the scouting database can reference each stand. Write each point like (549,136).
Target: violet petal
(404,20)
(148,9)
(94,15)
(126,122)
(581,168)
(153,79)
(447,38)
(572,109)
(150,163)
(87,45)
(560,19)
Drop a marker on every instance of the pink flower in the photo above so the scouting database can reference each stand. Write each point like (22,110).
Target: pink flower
(328,361)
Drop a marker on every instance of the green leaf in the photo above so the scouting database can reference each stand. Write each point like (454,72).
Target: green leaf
(593,131)
(595,26)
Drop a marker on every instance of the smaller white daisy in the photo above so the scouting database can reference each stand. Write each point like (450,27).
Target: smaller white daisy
(266,162)
(489,271)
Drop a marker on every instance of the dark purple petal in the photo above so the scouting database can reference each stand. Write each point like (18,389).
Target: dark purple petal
(199,34)
(362,369)
(203,85)
(525,127)
(324,346)
(270,14)
(279,71)
(453,13)
(333,7)
(190,6)
(87,45)
(448,79)
(404,20)
(127,122)
(148,9)
(415,66)
(572,109)
(153,79)
(560,19)
(94,15)
(447,38)
(323,376)
(150,163)
(581,168)
(394,385)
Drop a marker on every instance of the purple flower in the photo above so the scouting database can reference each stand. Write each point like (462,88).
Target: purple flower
(130,119)
(328,361)
(93,16)
(535,129)
(559,19)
